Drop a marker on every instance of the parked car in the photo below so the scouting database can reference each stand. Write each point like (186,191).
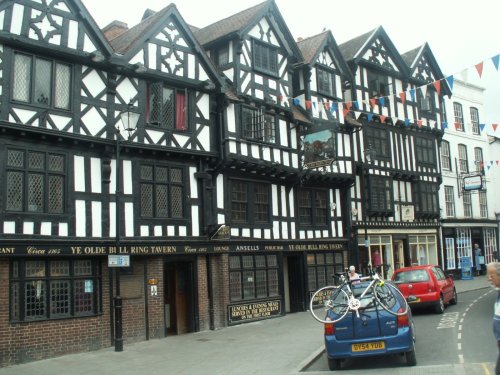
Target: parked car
(426,286)
(371,331)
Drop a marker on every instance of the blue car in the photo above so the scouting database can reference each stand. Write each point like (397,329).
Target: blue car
(371,330)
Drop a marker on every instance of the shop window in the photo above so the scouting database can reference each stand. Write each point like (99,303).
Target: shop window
(253,277)
(322,268)
(162,191)
(42,82)
(52,289)
(35,181)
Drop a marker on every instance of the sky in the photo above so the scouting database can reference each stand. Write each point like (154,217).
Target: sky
(460,34)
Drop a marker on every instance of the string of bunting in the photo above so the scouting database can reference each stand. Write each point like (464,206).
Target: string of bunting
(349,106)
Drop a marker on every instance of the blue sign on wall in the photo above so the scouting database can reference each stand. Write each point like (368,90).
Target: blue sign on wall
(466,268)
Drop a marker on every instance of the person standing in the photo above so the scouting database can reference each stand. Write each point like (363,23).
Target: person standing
(478,253)
(493,274)
(353,275)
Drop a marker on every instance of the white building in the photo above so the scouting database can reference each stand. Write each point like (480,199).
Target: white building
(466,194)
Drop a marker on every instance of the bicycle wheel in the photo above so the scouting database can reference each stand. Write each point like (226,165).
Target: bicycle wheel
(331,299)
(387,295)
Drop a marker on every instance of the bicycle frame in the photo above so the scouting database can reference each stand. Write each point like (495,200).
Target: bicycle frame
(355,303)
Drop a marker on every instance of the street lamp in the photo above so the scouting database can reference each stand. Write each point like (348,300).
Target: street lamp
(370,154)
(129,120)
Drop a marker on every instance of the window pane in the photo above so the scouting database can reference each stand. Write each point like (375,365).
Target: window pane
(43,78)
(180,111)
(161,174)
(273,282)
(22,78)
(56,194)
(161,201)
(35,268)
(84,297)
(34,299)
(234,262)
(146,172)
(35,192)
(272,261)
(56,163)
(235,287)
(248,284)
(176,201)
(59,268)
(247,261)
(261,283)
(62,86)
(261,203)
(83,267)
(147,200)
(167,111)
(60,298)
(15,188)
(239,203)
(176,175)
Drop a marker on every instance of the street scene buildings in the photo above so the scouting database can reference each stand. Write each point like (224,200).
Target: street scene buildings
(164,179)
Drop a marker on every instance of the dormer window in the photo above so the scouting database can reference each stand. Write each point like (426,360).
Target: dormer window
(378,85)
(223,56)
(326,82)
(166,108)
(265,58)
(426,104)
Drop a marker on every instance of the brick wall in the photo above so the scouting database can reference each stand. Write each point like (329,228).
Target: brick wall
(156,303)
(24,342)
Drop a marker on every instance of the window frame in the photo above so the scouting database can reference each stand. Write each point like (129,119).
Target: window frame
(426,197)
(171,187)
(241,269)
(258,125)
(463,162)
(459,116)
(316,211)
(47,193)
(474,118)
(478,159)
(19,300)
(427,100)
(425,151)
(378,84)
(446,156)
(381,190)
(268,56)
(467,203)
(378,138)
(483,204)
(449,198)
(324,75)
(33,83)
(248,204)
(179,107)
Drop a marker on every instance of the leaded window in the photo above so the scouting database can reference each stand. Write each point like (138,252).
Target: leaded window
(250,202)
(378,85)
(313,207)
(321,267)
(52,289)
(265,58)
(162,191)
(258,125)
(35,181)
(474,118)
(425,151)
(378,139)
(459,116)
(253,277)
(445,155)
(426,198)
(167,108)
(326,82)
(381,195)
(426,103)
(42,82)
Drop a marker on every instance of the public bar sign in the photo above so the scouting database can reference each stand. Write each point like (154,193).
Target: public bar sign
(253,311)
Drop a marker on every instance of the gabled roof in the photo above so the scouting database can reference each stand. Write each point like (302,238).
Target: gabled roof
(311,47)
(413,56)
(133,40)
(354,49)
(240,24)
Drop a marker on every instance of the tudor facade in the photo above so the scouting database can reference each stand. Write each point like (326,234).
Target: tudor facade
(395,200)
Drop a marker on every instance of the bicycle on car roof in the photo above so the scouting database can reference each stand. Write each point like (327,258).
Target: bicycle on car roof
(354,296)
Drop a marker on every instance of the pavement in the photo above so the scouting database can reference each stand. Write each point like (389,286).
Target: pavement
(283,345)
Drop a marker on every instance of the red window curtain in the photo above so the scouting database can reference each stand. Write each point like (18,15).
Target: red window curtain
(180,111)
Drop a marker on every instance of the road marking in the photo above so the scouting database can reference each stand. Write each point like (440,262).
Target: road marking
(460,336)
(460,358)
(448,320)
(459,345)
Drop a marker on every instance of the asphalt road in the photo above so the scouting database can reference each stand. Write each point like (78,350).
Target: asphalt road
(462,334)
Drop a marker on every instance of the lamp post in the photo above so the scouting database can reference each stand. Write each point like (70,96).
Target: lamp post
(370,154)
(129,120)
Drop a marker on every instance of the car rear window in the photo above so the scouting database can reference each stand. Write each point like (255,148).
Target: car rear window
(411,276)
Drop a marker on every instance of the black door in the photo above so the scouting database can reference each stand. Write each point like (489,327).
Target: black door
(296,283)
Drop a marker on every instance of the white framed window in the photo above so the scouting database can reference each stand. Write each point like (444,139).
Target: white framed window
(450,253)
(478,159)
(463,163)
(474,118)
(464,241)
(467,204)
(490,244)
(445,156)
(483,204)
(459,116)
(449,198)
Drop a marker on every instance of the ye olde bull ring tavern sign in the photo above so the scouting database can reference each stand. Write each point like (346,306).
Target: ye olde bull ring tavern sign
(68,250)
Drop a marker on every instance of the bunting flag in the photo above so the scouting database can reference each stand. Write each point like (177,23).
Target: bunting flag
(450,81)
(495,61)
(370,117)
(444,125)
(494,126)
(382,101)
(412,94)
(308,104)
(479,68)
(437,85)
(402,95)
(481,127)
(407,122)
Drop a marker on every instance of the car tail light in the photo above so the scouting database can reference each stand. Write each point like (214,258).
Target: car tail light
(403,320)
(329,328)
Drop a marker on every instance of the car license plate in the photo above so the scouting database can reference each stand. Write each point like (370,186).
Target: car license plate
(366,346)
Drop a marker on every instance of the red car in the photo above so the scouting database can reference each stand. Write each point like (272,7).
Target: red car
(426,285)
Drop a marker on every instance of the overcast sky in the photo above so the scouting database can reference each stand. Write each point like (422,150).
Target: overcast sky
(460,34)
